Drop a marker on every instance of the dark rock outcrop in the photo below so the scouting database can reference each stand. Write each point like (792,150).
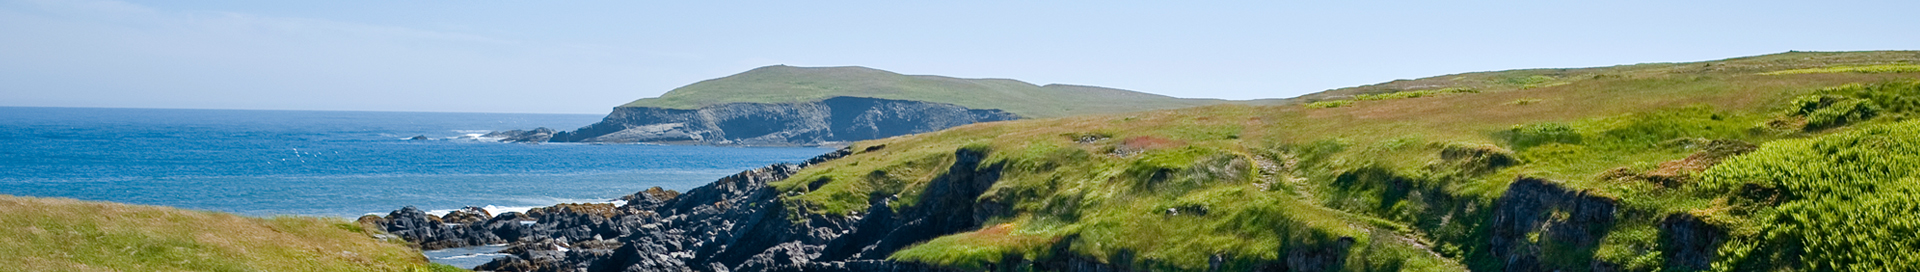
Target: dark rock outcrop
(537,135)
(740,223)
(837,119)
(434,232)
(737,223)
(467,215)
(1535,214)
(1690,242)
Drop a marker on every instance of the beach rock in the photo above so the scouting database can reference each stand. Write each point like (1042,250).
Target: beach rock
(650,199)
(469,214)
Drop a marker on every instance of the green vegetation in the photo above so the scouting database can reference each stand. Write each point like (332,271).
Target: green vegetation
(1329,104)
(46,234)
(1501,81)
(1846,201)
(1413,184)
(1884,68)
(788,84)
(1412,94)
(1387,96)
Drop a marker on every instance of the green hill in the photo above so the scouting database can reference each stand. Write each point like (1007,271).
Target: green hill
(1784,162)
(788,84)
(1535,78)
(52,234)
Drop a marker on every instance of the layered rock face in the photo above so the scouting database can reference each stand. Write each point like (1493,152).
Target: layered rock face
(838,119)
(1536,213)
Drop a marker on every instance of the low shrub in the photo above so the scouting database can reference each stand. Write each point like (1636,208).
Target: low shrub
(1329,104)
(1412,94)
(1530,135)
(1844,201)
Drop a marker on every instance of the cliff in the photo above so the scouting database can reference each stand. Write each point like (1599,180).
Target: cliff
(838,119)
(1749,164)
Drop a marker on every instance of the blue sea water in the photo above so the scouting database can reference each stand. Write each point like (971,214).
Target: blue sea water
(335,163)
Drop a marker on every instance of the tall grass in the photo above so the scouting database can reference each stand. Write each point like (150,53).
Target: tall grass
(68,235)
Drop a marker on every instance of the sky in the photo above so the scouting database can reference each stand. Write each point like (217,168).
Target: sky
(589,56)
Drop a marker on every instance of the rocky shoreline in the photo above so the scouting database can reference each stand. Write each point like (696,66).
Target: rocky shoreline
(739,223)
(734,224)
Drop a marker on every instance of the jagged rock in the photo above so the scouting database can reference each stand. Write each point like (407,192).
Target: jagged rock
(838,119)
(650,199)
(1326,257)
(466,215)
(1534,212)
(1690,242)
(736,223)
(537,135)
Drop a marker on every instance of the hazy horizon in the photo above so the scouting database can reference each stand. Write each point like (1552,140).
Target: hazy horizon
(585,58)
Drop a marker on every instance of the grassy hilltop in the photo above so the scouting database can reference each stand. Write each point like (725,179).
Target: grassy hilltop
(52,234)
(1792,161)
(788,84)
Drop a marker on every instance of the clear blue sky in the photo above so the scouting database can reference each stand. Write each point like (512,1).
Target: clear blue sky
(588,56)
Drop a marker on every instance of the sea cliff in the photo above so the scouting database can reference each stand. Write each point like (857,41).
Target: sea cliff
(834,120)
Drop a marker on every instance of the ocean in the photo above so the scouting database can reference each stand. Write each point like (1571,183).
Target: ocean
(337,163)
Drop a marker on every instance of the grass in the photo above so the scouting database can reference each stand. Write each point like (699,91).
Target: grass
(1884,68)
(788,84)
(51,234)
(1243,185)
(1388,96)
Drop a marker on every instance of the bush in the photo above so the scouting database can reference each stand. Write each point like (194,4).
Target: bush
(1412,94)
(1842,113)
(1893,97)
(1530,135)
(1329,104)
(1854,103)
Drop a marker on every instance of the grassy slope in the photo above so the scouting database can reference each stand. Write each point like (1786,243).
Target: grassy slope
(788,84)
(1277,178)
(52,234)
(1533,78)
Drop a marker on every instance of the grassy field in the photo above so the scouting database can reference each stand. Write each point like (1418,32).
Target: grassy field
(53,234)
(1411,178)
(788,84)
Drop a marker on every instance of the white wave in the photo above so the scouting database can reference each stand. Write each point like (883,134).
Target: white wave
(473,255)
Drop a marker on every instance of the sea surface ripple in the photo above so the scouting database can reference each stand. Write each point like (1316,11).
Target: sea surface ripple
(336,163)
